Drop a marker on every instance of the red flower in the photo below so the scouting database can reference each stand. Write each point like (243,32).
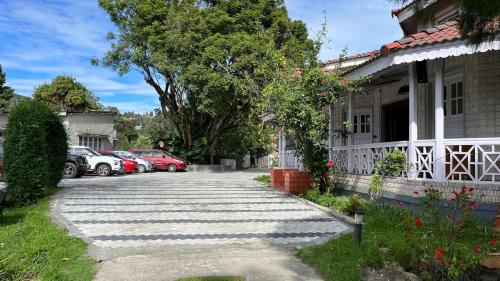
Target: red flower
(438,254)
(398,203)
(418,222)
(330,163)
(474,204)
(493,241)
(415,192)
(321,94)
(450,215)
(459,222)
(471,189)
(344,82)
(476,250)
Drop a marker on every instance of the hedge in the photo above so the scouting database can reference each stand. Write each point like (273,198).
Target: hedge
(34,149)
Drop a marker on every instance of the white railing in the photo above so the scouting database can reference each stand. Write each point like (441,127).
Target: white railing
(291,160)
(470,160)
(266,162)
(476,160)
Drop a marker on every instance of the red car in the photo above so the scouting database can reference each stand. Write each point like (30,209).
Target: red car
(161,160)
(129,164)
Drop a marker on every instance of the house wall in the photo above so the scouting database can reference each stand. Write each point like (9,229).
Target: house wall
(481,78)
(102,124)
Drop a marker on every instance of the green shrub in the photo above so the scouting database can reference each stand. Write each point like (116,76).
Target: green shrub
(57,146)
(35,152)
(393,164)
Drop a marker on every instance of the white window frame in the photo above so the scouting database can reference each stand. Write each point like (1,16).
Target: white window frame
(454,79)
(94,142)
(360,127)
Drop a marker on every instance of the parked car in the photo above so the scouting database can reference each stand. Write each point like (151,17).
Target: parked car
(161,160)
(76,166)
(129,165)
(143,165)
(102,165)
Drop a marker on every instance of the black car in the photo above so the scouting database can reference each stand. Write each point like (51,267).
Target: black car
(76,166)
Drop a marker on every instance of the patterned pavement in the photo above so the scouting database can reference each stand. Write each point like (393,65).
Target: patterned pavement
(200,209)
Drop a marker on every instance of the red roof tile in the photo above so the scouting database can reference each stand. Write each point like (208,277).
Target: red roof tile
(371,54)
(448,31)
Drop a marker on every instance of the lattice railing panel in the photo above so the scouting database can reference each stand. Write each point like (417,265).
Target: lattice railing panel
(339,157)
(425,161)
(473,160)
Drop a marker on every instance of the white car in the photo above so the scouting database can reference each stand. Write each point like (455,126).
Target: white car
(142,164)
(102,165)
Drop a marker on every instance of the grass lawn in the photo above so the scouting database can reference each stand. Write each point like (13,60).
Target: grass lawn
(339,259)
(213,278)
(32,247)
(264,179)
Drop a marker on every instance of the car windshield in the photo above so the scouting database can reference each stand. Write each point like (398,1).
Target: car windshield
(128,155)
(95,153)
(115,155)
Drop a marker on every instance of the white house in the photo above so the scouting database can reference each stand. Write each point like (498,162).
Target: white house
(433,96)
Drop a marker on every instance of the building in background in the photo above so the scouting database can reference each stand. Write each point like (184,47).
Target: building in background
(93,129)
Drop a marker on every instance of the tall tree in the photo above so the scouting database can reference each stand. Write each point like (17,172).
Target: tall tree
(64,93)
(6,93)
(208,60)
(479,19)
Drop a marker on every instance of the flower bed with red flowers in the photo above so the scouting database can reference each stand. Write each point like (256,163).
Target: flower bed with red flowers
(435,244)
(446,247)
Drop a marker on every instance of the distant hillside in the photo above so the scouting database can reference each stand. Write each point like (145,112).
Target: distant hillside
(17,99)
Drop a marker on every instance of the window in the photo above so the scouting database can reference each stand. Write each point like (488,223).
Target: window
(362,124)
(453,99)
(93,142)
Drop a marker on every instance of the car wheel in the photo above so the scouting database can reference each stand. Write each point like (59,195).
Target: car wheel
(70,171)
(172,168)
(103,170)
(142,169)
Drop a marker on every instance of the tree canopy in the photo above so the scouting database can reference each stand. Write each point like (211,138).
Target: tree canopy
(479,19)
(64,93)
(6,92)
(208,60)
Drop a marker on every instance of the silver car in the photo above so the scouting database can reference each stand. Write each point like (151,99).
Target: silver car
(142,164)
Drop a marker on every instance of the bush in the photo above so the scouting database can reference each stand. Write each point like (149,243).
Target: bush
(35,152)
(447,247)
(57,146)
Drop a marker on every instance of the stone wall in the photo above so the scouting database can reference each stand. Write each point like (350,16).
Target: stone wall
(400,186)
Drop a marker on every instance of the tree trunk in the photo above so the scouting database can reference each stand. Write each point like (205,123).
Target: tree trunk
(322,185)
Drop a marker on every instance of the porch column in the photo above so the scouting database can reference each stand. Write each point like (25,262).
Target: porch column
(413,129)
(331,128)
(350,137)
(281,149)
(439,149)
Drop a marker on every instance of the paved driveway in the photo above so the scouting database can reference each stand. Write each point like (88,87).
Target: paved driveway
(197,214)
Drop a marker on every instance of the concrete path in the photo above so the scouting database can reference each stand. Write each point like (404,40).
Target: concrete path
(163,226)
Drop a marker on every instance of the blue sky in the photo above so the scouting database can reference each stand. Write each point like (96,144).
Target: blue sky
(40,39)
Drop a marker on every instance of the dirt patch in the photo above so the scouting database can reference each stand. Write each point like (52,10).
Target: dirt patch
(388,273)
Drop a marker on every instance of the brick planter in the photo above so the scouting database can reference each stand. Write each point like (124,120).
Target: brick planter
(278,177)
(296,182)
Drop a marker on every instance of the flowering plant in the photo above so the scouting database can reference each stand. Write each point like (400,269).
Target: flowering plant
(447,246)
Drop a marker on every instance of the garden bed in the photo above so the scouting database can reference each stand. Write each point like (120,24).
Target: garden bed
(392,236)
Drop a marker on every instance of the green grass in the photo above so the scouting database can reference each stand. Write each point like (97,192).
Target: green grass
(33,248)
(340,204)
(339,259)
(264,179)
(213,278)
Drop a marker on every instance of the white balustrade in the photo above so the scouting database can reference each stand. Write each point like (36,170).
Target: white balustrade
(476,160)
(469,160)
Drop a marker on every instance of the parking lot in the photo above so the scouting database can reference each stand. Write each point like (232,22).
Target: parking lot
(179,212)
